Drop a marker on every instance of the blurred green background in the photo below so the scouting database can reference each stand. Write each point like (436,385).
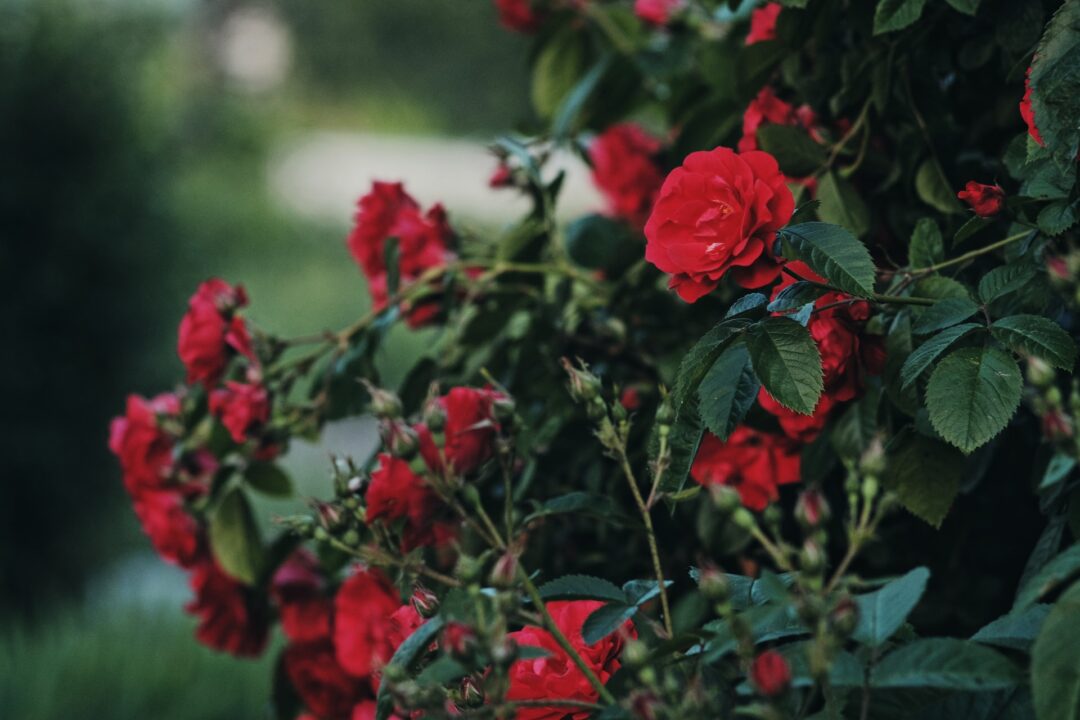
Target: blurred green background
(139,140)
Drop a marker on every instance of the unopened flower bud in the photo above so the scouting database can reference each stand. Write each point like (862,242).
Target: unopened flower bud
(425,602)
(435,416)
(744,519)
(725,498)
(584,386)
(471,694)
(714,584)
(351,538)
(402,441)
(503,408)
(1056,425)
(383,403)
(459,640)
(872,461)
(1053,396)
(811,559)
(635,654)
(812,510)
(504,571)
(504,652)
(844,617)
(665,414)
(1039,372)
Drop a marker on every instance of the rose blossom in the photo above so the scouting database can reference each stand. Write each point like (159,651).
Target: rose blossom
(174,533)
(241,407)
(624,168)
(518,15)
(768,109)
(370,622)
(397,493)
(718,213)
(555,676)
(298,590)
(144,449)
(657,12)
(469,430)
(985,200)
(752,462)
(423,239)
(210,331)
(770,673)
(763,23)
(229,618)
(326,689)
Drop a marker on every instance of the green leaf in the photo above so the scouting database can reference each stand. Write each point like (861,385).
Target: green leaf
(972,394)
(934,189)
(926,248)
(841,204)
(605,620)
(937,287)
(795,296)
(1055,85)
(968,7)
(882,612)
(1057,572)
(970,228)
(1015,631)
(441,672)
(579,502)
(581,587)
(924,474)
(1057,217)
(406,654)
(898,345)
(1003,280)
(268,479)
(892,15)
(601,243)
(786,360)
(1038,336)
(794,3)
(234,537)
(944,313)
(945,663)
(569,112)
(1055,661)
(797,154)
(728,391)
(749,305)
(557,69)
(833,253)
(928,352)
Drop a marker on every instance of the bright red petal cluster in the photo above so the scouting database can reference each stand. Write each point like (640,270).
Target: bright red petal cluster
(423,242)
(718,213)
(470,430)
(763,23)
(243,408)
(625,170)
(519,15)
(555,676)
(656,12)
(370,622)
(211,331)
(231,617)
(754,463)
(770,673)
(397,493)
(985,200)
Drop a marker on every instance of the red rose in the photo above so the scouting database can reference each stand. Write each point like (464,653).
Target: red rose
(763,23)
(803,428)
(752,462)
(210,331)
(397,493)
(555,676)
(657,12)
(624,169)
(770,673)
(470,430)
(370,622)
(458,639)
(174,533)
(298,589)
(242,408)
(326,689)
(389,212)
(1026,110)
(230,619)
(719,213)
(985,200)
(144,449)
(365,710)
(768,109)
(518,15)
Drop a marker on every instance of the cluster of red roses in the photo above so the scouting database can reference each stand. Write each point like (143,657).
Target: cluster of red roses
(166,479)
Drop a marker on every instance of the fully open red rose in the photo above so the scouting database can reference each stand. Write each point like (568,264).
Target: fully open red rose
(210,331)
(144,449)
(175,534)
(304,606)
(242,408)
(657,12)
(555,676)
(519,15)
(717,214)
(469,430)
(397,493)
(370,622)
(770,673)
(763,23)
(752,462)
(985,200)
(230,616)
(624,168)
(423,242)
(326,689)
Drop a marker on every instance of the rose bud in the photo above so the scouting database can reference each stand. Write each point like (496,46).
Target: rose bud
(384,404)
(1039,372)
(812,510)
(401,440)
(714,584)
(845,616)
(725,498)
(459,640)
(1056,425)
(504,571)
(985,200)
(471,694)
(425,602)
(1058,270)
(584,386)
(504,409)
(770,673)
(435,416)
(812,559)
(872,462)
(635,653)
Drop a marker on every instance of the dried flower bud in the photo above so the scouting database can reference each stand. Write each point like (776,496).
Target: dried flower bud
(770,673)
(812,510)
(425,602)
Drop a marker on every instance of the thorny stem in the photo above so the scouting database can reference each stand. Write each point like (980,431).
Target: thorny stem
(650,534)
(560,638)
(385,558)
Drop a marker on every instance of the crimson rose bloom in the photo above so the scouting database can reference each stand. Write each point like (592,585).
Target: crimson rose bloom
(1026,110)
(370,622)
(305,609)
(390,212)
(397,493)
(717,214)
(518,15)
(657,12)
(230,619)
(624,169)
(144,449)
(763,23)
(241,407)
(174,533)
(770,673)
(326,689)
(470,430)
(985,200)
(210,331)
(752,462)
(555,676)
(768,109)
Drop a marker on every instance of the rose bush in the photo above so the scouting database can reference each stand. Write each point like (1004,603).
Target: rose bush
(822,336)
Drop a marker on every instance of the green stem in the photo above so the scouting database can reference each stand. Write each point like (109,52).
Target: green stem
(970,255)
(560,638)
(650,534)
